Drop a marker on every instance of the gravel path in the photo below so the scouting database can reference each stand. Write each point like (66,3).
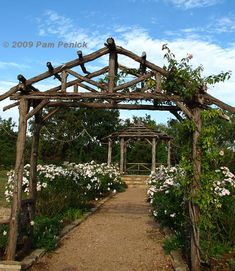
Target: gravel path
(4,213)
(121,236)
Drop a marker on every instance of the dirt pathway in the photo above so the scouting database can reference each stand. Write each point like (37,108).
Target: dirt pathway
(4,213)
(121,236)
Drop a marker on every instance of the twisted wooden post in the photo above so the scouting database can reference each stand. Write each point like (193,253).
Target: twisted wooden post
(195,187)
(18,177)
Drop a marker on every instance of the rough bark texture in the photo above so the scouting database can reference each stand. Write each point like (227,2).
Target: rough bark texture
(33,163)
(194,210)
(19,167)
(153,154)
(109,152)
(122,155)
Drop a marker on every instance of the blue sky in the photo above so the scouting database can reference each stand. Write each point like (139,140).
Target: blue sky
(205,28)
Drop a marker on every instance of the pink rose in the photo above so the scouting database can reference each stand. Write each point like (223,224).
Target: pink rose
(189,56)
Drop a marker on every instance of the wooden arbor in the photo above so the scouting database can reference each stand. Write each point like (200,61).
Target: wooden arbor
(138,132)
(87,90)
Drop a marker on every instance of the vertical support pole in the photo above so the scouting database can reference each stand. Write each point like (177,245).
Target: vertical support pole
(64,81)
(124,156)
(158,82)
(169,153)
(112,64)
(19,167)
(75,88)
(122,142)
(154,155)
(109,152)
(195,187)
(33,163)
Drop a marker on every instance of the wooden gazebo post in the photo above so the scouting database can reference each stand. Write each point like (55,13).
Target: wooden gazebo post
(18,177)
(125,156)
(122,142)
(154,155)
(110,142)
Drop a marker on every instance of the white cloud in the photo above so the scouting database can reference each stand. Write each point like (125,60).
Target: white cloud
(189,4)
(5,65)
(213,57)
(51,23)
(224,24)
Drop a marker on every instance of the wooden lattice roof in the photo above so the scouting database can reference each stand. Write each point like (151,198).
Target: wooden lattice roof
(138,131)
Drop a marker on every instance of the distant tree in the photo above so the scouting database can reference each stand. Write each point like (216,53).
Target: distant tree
(7,142)
(76,135)
(224,138)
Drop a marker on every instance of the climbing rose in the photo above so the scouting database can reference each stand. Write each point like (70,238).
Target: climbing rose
(189,56)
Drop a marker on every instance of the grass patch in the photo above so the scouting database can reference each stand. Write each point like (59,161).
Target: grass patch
(3,181)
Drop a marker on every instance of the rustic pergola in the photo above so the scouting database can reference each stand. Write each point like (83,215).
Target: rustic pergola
(87,90)
(137,132)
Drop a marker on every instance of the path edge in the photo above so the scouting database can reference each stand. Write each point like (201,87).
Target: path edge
(37,254)
(177,260)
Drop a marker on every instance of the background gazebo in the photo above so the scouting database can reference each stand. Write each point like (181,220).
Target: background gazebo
(137,132)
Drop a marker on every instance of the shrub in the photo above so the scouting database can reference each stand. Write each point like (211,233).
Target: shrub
(168,194)
(46,231)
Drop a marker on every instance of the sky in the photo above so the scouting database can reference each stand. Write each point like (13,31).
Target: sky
(35,32)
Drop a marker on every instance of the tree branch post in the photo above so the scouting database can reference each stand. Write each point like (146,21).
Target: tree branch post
(194,210)
(18,177)
(33,163)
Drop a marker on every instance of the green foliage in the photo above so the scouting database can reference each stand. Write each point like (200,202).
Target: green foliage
(3,182)
(185,80)
(62,138)
(72,214)
(172,243)
(46,231)
(3,236)
(169,194)
(7,142)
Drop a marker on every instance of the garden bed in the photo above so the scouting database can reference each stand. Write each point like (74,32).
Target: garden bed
(65,193)
(168,194)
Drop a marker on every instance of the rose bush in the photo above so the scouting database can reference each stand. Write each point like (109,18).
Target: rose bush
(169,196)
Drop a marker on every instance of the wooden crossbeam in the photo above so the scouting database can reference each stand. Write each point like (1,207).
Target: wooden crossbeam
(130,71)
(77,81)
(112,106)
(137,58)
(84,78)
(50,114)
(42,104)
(10,106)
(211,99)
(59,69)
(133,82)
(99,95)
